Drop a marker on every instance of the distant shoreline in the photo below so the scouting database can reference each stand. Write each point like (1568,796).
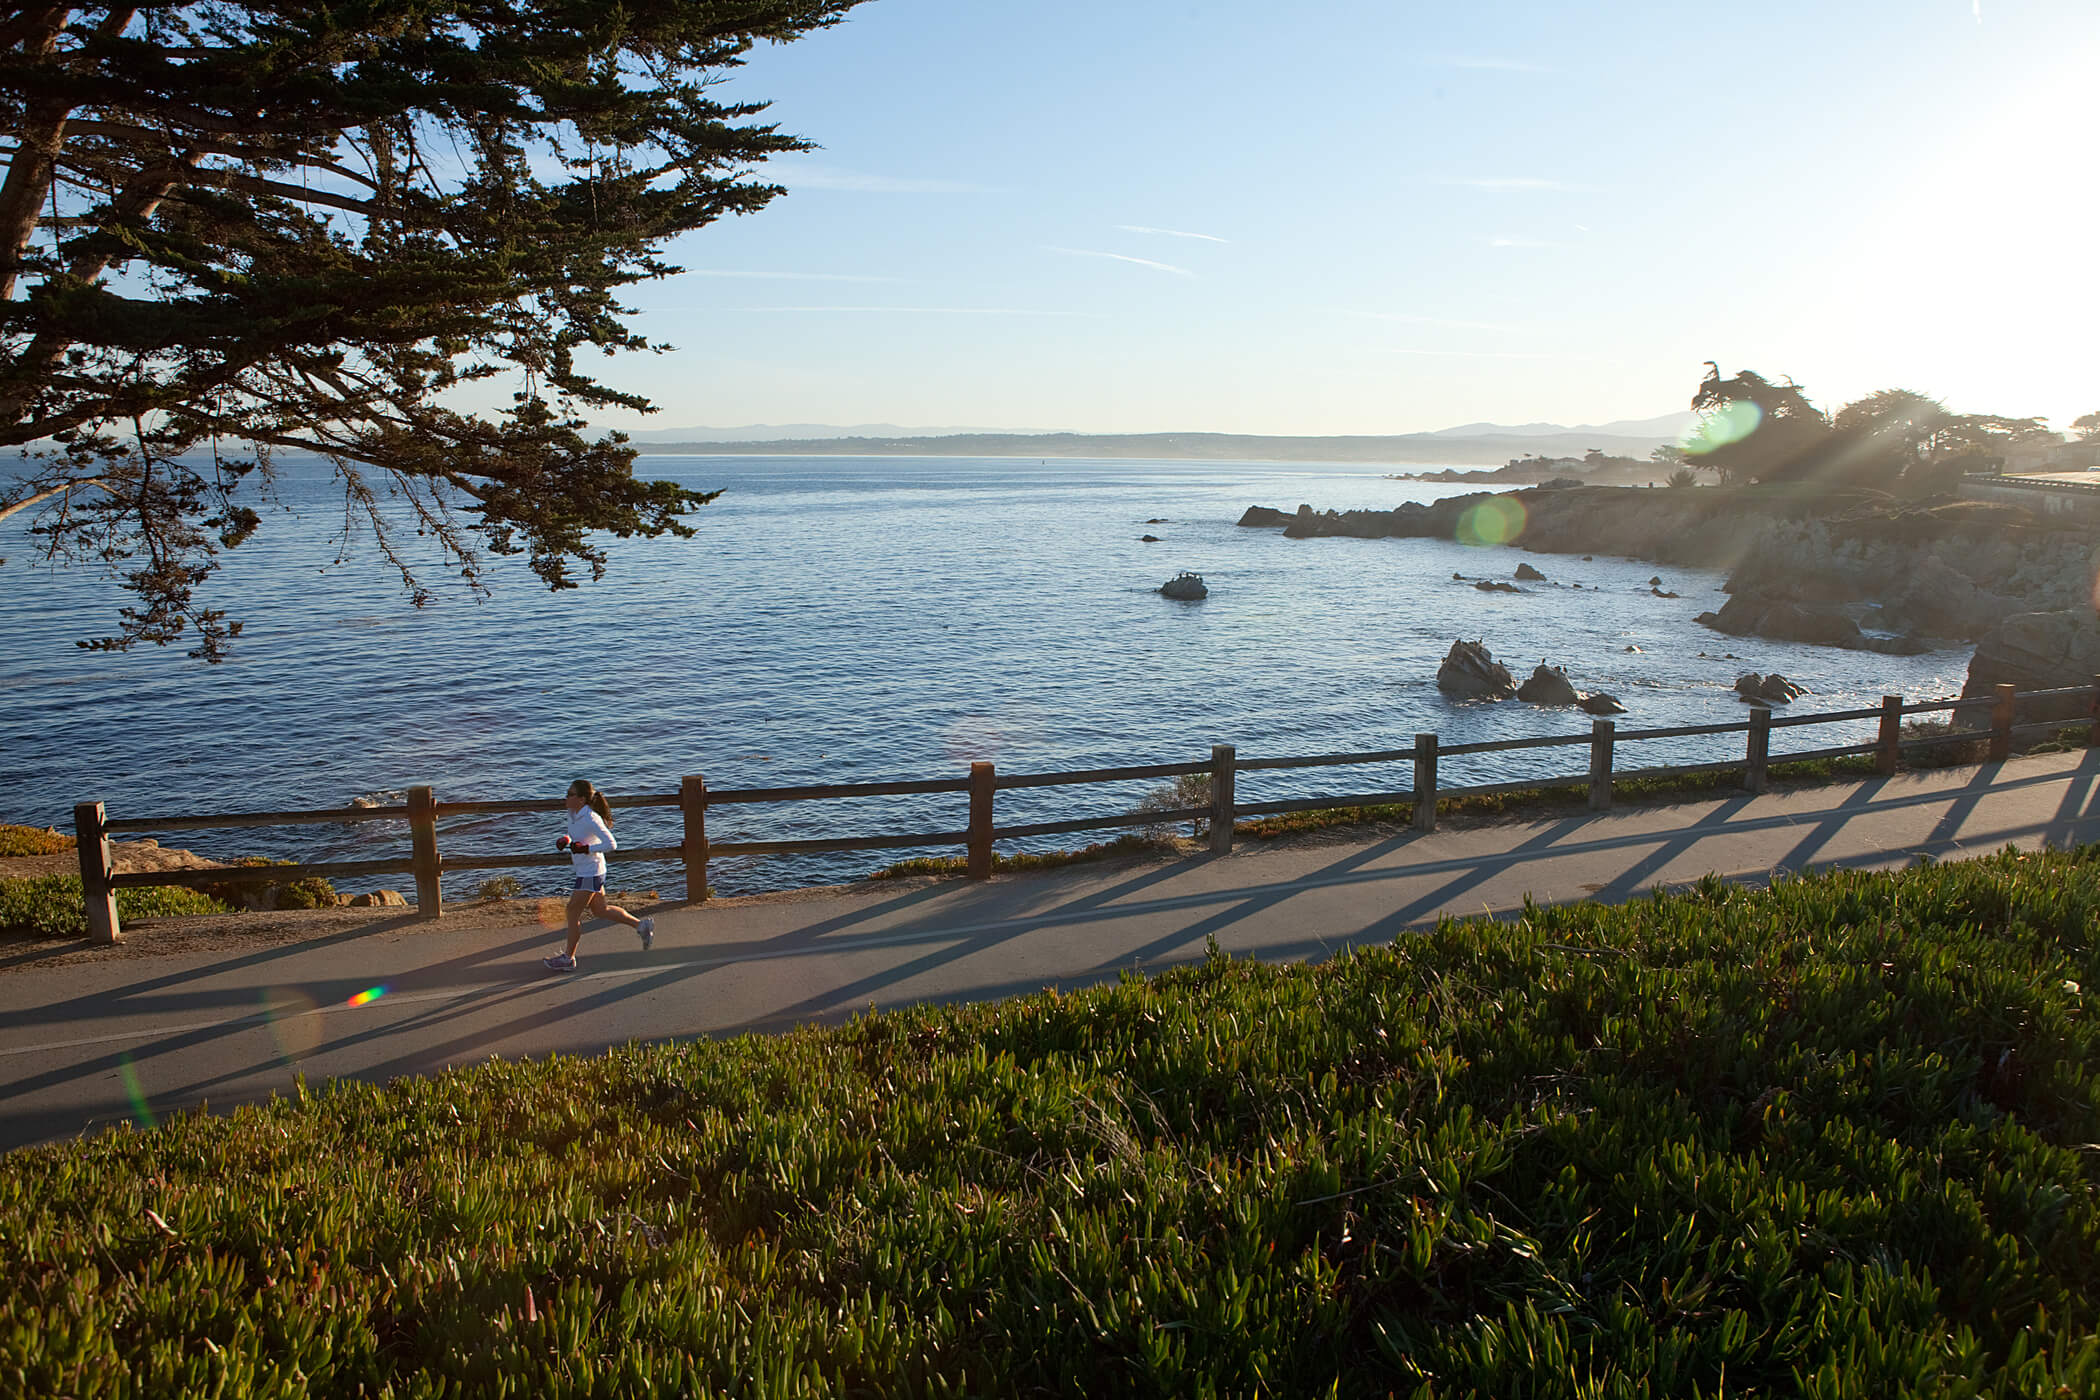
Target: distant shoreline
(1487,450)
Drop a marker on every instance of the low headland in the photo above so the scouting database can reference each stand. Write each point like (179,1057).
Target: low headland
(1854,569)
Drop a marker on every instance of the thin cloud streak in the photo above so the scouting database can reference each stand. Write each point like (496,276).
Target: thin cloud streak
(1497,65)
(823,177)
(1477,354)
(786,276)
(1172,233)
(1438,322)
(936,310)
(1507,184)
(1123,257)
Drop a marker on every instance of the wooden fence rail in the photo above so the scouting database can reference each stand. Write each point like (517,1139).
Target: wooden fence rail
(422,811)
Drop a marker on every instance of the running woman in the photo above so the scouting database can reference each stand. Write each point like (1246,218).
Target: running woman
(587,840)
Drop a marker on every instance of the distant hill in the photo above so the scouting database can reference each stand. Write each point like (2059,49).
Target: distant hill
(1483,448)
(803,432)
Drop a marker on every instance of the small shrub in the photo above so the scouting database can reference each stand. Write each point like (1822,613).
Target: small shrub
(1188,790)
(1681,478)
(50,906)
(32,841)
(499,887)
(310,893)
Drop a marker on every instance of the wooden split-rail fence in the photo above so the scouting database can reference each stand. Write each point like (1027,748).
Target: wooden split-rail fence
(99,881)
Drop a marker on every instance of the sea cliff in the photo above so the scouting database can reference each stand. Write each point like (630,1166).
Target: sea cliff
(1948,571)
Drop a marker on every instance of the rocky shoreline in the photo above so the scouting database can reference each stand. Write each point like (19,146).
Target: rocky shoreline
(1849,570)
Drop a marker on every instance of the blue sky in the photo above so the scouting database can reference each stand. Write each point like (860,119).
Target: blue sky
(1358,217)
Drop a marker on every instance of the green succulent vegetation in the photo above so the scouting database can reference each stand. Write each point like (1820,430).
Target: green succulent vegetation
(32,841)
(1831,1139)
(51,906)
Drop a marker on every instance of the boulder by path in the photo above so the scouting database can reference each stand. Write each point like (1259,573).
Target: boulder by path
(1469,672)
(2037,651)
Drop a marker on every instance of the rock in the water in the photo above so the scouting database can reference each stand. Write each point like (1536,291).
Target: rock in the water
(1159,520)
(1257,517)
(1148,539)
(2036,651)
(1783,619)
(1491,586)
(1598,702)
(1548,685)
(1527,574)
(1774,689)
(1470,673)
(1186,588)
(1662,592)
(378,899)
(1656,582)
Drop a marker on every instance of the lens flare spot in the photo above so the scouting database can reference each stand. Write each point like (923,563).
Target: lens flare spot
(293,1024)
(973,737)
(366,997)
(1496,520)
(141,1111)
(553,913)
(1730,422)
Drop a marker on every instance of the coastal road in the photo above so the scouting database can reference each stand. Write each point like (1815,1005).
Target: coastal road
(92,1042)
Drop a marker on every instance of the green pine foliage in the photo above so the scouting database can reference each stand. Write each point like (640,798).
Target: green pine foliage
(1835,1139)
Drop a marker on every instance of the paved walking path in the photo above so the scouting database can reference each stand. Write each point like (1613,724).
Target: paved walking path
(117,1040)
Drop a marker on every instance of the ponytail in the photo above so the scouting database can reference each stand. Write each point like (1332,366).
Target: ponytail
(584,789)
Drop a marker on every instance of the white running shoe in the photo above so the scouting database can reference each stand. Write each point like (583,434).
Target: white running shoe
(647,931)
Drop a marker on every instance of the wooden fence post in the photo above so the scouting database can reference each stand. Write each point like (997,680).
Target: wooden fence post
(1222,772)
(1425,782)
(692,804)
(2093,739)
(423,851)
(1887,744)
(1603,734)
(92,838)
(2001,723)
(982,786)
(1757,757)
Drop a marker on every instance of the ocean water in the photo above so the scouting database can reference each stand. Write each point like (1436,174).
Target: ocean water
(851,620)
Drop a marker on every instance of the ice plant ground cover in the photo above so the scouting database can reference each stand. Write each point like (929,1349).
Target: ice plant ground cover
(1836,1138)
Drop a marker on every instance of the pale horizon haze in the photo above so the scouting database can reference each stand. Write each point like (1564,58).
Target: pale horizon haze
(1388,217)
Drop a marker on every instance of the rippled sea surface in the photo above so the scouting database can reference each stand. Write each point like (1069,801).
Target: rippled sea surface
(851,620)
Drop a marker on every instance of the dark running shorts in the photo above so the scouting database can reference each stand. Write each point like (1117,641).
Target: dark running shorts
(593,883)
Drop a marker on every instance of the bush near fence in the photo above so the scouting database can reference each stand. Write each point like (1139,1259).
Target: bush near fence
(1832,1139)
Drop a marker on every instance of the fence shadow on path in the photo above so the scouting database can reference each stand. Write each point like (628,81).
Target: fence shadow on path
(950,923)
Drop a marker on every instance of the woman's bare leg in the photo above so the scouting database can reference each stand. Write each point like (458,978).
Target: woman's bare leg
(579,900)
(612,911)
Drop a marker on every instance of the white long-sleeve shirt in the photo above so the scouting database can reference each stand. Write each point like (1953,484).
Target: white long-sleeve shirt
(587,826)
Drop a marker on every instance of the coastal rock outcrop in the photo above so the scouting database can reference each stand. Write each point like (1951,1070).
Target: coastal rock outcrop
(1774,689)
(2037,651)
(1527,574)
(1469,672)
(1548,685)
(1930,570)
(1185,587)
